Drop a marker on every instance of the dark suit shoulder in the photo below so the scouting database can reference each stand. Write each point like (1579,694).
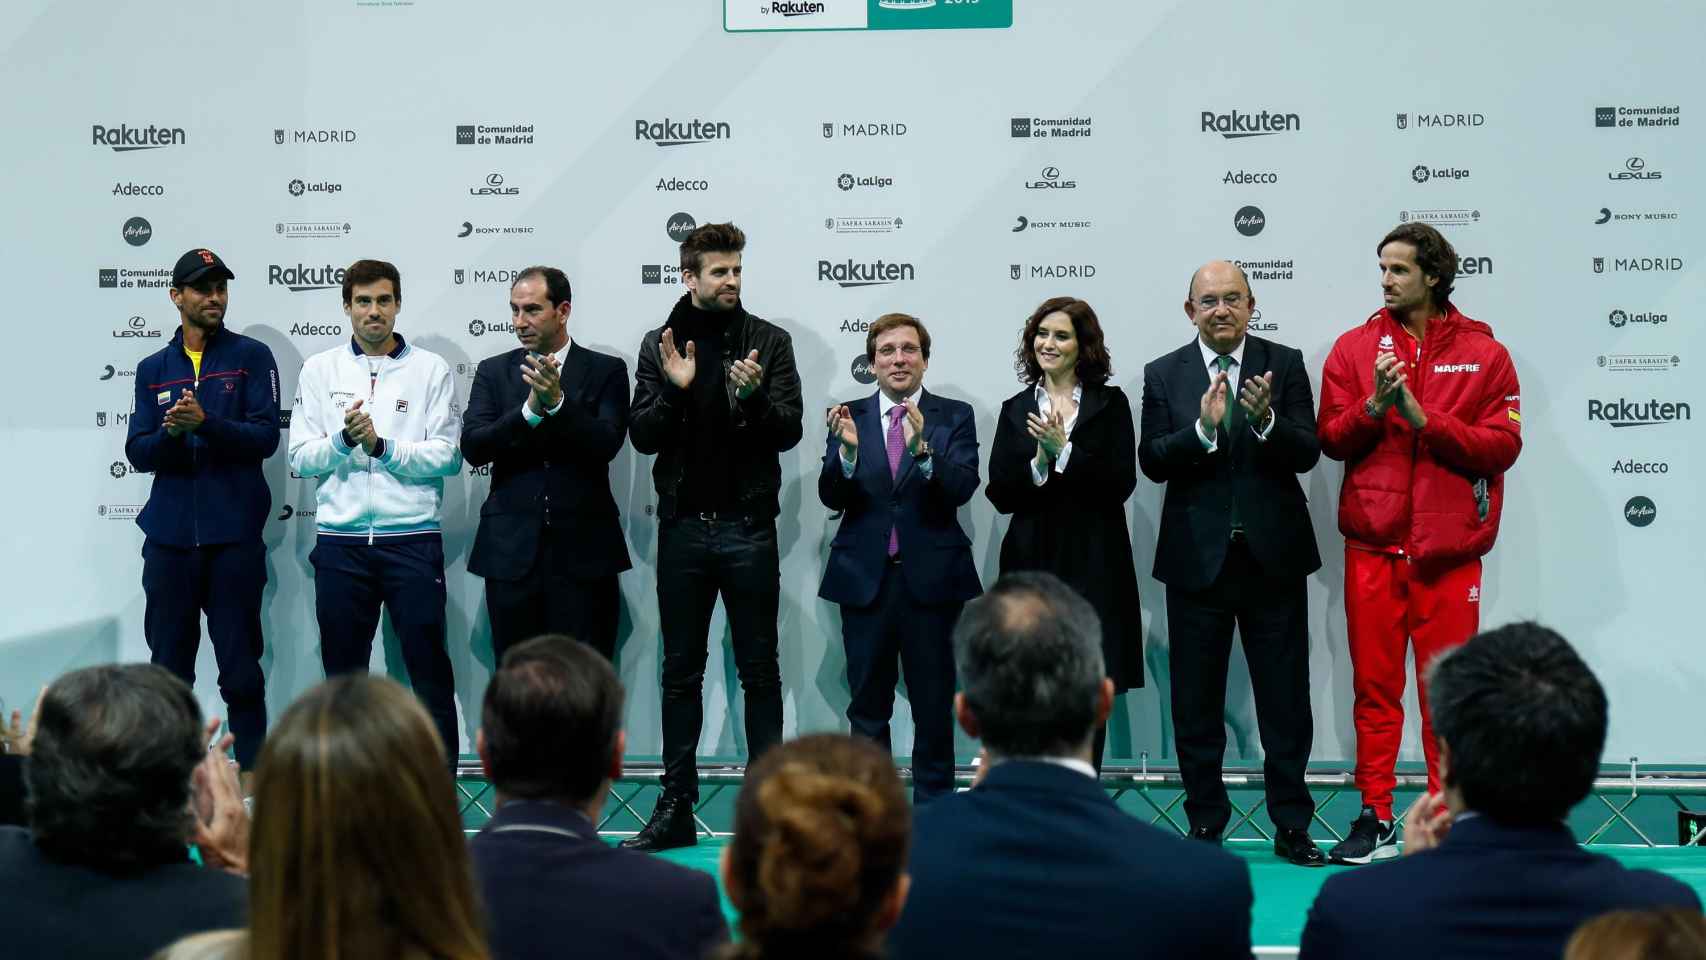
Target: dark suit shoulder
(499,361)
(952,406)
(598,359)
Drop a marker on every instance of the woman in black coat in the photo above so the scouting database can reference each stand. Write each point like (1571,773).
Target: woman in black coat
(1063,464)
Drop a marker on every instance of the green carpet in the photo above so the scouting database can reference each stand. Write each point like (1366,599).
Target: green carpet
(1284,892)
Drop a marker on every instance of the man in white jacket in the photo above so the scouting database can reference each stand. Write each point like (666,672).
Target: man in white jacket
(376,424)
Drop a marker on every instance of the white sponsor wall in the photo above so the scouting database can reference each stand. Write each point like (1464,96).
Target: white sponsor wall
(846,148)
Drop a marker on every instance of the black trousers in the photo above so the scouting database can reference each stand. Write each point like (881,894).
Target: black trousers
(352,579)
(698,560)
(547,600)
(895,627)
(1270,612)
(225,581)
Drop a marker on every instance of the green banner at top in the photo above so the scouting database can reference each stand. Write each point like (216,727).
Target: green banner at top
(771,16)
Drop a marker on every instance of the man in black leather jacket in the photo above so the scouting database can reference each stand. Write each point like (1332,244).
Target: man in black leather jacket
(717,399)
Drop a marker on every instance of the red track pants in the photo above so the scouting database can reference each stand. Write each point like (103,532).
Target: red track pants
(1389,602)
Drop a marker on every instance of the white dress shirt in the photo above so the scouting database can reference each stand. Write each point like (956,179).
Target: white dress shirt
(1234,374)
(1046,407)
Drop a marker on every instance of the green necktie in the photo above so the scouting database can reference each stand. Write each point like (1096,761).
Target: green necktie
(1224,362)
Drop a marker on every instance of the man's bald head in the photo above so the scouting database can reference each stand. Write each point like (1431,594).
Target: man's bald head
(1219,267)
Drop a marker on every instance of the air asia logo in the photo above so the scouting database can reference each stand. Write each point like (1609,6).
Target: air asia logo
(299,187)
(1640,511)
(137,231)
(311,229)
(316,329)
(674,184)
(1643,116)
(1453,217)
(124,188)
(1285,269)
(1421,173)
(119,278)
(513,230)
(1249,221)
(847,181)
(478,134)
(124,139)
(861,370)
(494,187)
(483,275)
(1025,223)
(1051,271)
(790,8)
(136,328)
(1260,325)
(1623,467)
(1055,128)
(1638,264)
(1619,318)
(280,135)
(1237,126)
(679,226)
(1637,413)
(862,224)
(1607,216)
(1634,168)
(1050,179)
(680,133)
(1428,121)
(852,274)
(1639,362)
(479,328)
(666,274)
(300,278)
(1245,176)
(865,130)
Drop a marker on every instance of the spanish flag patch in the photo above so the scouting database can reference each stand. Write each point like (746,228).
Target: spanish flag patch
(1515,416)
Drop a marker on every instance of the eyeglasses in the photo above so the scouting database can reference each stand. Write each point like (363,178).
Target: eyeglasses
(1232,300)
(889,349)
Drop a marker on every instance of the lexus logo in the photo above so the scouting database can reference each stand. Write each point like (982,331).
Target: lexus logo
(137,323)
(1051,173)
(1636,164)
(495,180)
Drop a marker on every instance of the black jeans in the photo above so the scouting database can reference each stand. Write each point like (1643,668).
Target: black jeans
(697,560)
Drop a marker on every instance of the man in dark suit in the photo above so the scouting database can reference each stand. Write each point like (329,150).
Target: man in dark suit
(901,566)
(1234,547)
(1489,867)
(1035,860)
(551,742)
(549,416)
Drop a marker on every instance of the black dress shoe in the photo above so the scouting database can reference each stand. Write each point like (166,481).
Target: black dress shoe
(1206,835)
(671,826)
(1295,846)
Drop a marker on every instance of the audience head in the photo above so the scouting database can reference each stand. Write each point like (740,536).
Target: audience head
(1640,935)
(818,863)
(1029,656)
(357,848)
(109,775)
(1520,721)
(551,726)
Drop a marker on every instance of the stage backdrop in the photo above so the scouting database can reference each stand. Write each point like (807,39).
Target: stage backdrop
(1001,152)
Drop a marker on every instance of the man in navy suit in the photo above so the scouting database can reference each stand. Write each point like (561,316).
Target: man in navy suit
(901,566)
(551,742)
(549,416)
(1489,867)
(1035,860)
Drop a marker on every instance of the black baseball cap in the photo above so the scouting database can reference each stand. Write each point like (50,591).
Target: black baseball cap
(200,264)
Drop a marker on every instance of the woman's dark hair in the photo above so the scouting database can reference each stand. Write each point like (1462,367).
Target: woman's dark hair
(1094,364)
(822,832)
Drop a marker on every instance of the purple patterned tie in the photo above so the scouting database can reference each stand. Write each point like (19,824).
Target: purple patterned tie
(897,443)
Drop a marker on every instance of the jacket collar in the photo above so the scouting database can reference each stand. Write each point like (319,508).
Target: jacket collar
(1036,776)
(1452,322)
(396,351)
(548,816)
(1092,400)
(207,344)
(1483,832)
(684,310)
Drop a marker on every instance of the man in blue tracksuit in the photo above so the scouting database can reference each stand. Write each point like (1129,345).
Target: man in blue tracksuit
(376,423)
(205,416)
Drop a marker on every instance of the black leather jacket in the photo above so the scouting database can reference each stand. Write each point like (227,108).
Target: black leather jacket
(761,427)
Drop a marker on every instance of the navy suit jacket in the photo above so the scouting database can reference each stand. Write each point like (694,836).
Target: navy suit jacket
(937,565)
(1038,862)
(553,888)
(1488,890)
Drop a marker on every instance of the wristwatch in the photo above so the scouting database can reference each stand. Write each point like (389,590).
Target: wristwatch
(1369,408)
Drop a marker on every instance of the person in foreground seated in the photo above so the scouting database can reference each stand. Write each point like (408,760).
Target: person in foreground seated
(104,869)
(14,748)
(551,741)
(1640,935)
(1036,860)
(1490,868)
(818,863)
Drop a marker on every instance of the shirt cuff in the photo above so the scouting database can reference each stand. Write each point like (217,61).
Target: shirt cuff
(1065,455)
(1262,434)
(1209,444)
(848,465)
(1038,477)
(343,443)
(382,451)
(533,419)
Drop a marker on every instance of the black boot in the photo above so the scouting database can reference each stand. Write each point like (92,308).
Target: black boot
(671,826)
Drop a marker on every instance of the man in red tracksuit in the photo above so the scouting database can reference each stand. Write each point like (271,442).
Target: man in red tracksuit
(1422,405)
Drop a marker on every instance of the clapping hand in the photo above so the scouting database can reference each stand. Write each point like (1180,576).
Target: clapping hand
(539,371)
(842,427)
(1214,401)
(185,415)
(1049,432)
(745,375)
(1256,396)
(360,427)
(1389,379)
(679,367)
(914,428)
(1426,823)
(221,831)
